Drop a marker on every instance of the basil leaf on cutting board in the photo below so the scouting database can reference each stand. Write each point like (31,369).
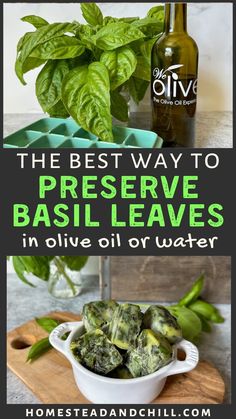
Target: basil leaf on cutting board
(47,323)
(38,349)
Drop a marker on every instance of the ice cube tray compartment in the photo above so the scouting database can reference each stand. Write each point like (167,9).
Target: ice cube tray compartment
(138,141)
(48,141)
(75,143)
(66,133)
(120,134)
(101,144)
(67,130)
(45,125)
(81,133)
(22,138)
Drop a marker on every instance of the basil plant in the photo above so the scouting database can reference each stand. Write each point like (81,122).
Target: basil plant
(40,266)
(87,67)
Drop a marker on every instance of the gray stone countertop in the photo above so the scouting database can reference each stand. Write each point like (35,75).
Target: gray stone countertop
(25,302)
(213,129)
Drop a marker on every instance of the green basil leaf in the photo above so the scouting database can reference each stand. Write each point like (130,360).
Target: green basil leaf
(41,35)
(47,323)
(137,88)
(149,26)
(143,69)
(119,106)
(86,95)
(37,265)
(116,35)
(49,83)
(193,294)
(146,48)
(58,111)
(38,348)
(120,64)
(86,57)
(207,310)
(75,263)
(84,33)
(109,19)
(23,40)
(188,321)
(206,327)
(60,47)
(128,19)
(91,13)
(20,269)
(31,63)
(157,12)
(36,21)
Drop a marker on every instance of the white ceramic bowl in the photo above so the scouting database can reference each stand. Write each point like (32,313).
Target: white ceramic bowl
(100,390)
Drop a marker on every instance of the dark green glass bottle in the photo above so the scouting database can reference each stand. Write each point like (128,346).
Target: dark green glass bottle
(174,80)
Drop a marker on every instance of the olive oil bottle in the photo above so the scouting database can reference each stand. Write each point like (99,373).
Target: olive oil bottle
(174,80)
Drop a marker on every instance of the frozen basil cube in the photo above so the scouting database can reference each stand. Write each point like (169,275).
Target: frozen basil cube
(96,352)
(98,313)
(153,352)
(125,325)
(121,373)
(160,320)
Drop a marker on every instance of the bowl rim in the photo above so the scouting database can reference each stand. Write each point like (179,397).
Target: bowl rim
(157,374)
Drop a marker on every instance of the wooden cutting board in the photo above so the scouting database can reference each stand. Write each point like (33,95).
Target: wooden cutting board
(50,377)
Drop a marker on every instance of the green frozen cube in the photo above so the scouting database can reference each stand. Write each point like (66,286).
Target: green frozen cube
(160,320)
(121,372)
(96,352)
(98,313)
(125,325)
(153,352)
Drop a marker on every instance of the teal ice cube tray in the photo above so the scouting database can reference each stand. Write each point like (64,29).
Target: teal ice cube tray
(66,133)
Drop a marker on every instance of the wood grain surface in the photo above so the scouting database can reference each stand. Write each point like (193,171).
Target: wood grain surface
(51,379)
(167,278)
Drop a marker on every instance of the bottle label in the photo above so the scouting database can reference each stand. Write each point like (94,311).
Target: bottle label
(170,89)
